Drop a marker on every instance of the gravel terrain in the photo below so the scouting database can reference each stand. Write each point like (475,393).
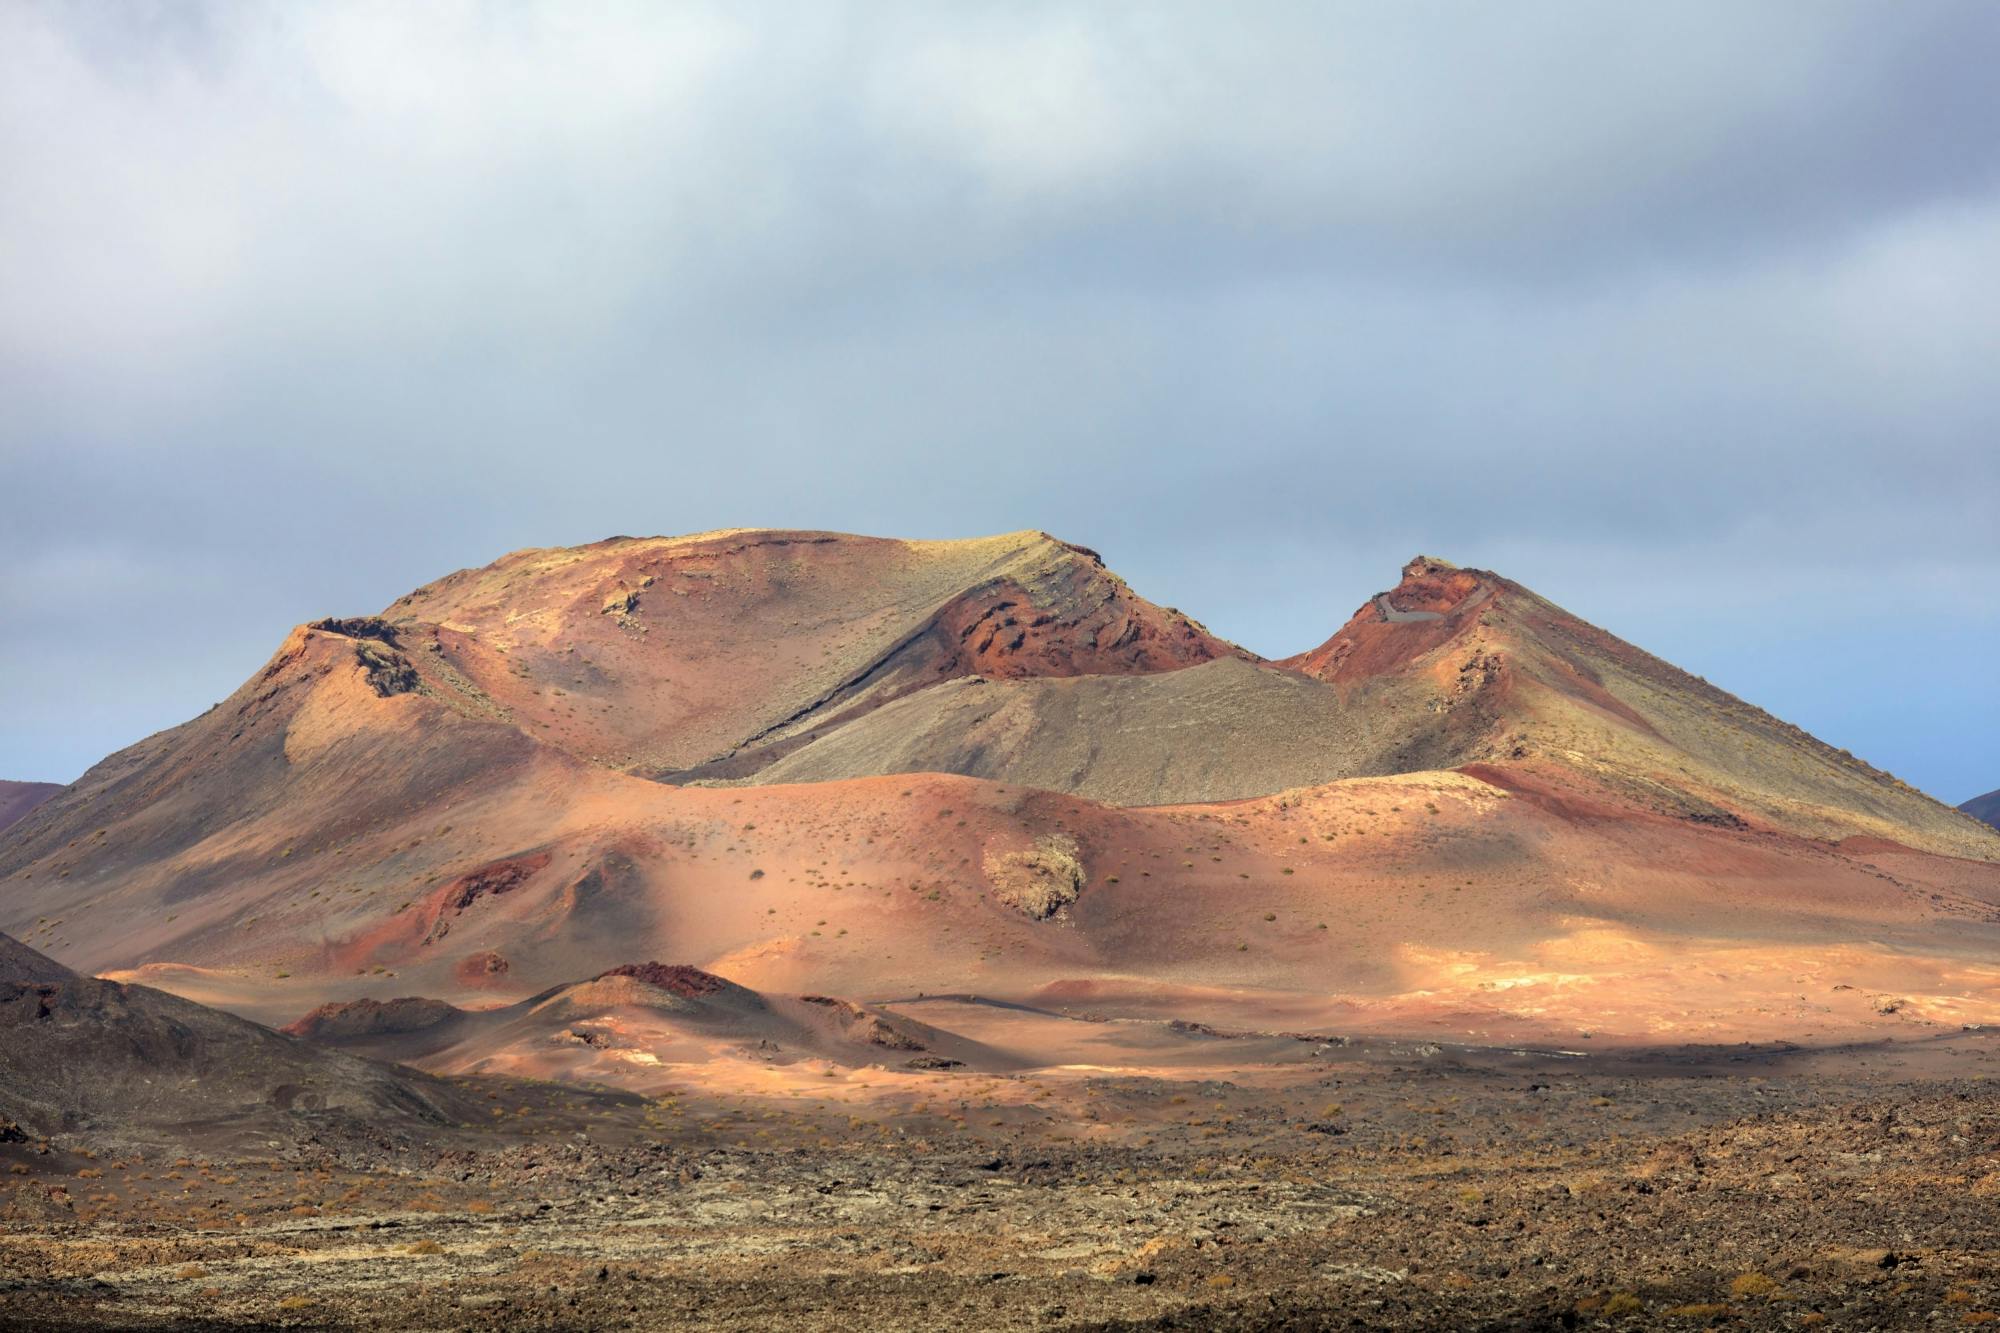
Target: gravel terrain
(1380,1187)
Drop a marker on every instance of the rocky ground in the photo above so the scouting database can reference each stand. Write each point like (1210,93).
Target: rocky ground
(1372,1187)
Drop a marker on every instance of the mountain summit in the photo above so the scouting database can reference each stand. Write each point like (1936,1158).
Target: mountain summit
(689,656)
(1494,675)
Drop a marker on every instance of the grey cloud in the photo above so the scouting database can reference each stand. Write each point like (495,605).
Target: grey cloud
(1678,314)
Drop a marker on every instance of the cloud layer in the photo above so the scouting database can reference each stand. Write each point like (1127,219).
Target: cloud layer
(1681,315)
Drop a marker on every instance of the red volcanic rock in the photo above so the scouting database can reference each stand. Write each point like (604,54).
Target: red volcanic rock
(1434,585)
(497,878)
(1430,608)
(1087,625)
(690,983)
(480,968)
(488,881)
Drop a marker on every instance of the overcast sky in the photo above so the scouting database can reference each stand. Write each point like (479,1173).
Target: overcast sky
(1686,315)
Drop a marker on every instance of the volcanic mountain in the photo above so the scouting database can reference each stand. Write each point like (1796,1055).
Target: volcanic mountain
(1985,808)
(1509,678)
(822,764)
(19,799)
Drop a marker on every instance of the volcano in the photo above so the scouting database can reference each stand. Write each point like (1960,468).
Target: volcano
(814,763)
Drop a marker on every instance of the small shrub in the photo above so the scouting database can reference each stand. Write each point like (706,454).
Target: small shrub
(1753,1284)
(1040,882)
(426,1246)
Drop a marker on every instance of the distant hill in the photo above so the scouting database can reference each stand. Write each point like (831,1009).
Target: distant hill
(1985,808)
(17,799)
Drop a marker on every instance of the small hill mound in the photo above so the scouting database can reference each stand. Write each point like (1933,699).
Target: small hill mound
(690,983)
(688,994)
(350,1020)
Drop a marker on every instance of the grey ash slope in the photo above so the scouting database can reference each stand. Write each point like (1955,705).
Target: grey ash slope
(1221,731)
